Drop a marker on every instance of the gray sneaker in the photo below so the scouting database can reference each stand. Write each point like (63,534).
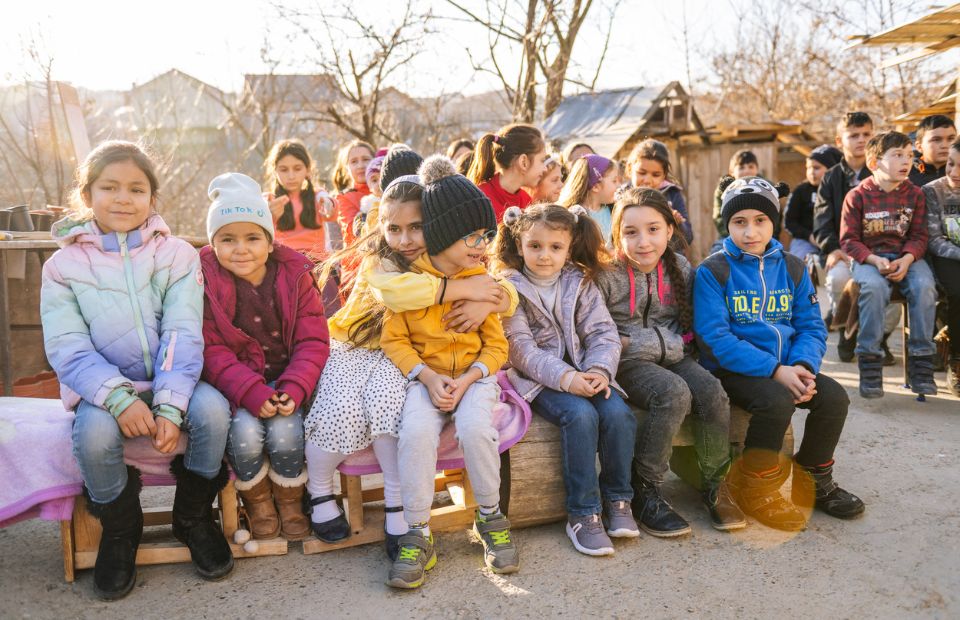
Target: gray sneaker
(416,556)
(500,553)
(619,521)
(587,535)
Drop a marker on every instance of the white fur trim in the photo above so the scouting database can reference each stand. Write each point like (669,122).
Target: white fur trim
(246,485)
(280,481)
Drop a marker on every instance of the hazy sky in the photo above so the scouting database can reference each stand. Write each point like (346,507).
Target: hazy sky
(111,44)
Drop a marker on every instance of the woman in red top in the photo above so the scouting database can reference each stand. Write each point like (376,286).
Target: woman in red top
(349,179)
(299,211)
(507,161)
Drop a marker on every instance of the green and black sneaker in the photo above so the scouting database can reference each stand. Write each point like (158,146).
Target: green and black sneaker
(500,553)
(415,558)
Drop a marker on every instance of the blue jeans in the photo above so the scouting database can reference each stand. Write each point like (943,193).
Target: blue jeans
(587,424)
(282,436)
(98,442)
(920,290)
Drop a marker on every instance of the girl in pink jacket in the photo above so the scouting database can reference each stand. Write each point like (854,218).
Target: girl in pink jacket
(266,343)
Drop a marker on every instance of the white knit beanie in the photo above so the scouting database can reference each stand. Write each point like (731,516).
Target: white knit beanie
(236,197)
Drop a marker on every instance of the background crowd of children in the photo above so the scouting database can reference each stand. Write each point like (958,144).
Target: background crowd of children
(316,325)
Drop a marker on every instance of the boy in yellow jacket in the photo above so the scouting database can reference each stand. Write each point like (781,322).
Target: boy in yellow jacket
(450,373)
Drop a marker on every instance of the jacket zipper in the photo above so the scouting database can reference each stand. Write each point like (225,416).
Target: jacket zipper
(763,306)
(135,304)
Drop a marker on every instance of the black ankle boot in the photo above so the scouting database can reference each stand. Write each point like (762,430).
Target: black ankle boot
(655,515)
(846,346)
(871,375)
(817,483)
(920,373)
(115,571)
(193,523)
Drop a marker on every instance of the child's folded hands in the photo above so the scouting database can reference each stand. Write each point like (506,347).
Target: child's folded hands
(137,420)
(167,435)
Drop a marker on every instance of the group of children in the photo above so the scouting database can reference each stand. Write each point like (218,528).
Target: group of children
(505,269)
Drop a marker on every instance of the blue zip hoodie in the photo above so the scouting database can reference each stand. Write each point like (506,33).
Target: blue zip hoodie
(760,319)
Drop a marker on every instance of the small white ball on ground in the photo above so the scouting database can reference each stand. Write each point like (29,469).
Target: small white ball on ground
(241,536)
(251,546)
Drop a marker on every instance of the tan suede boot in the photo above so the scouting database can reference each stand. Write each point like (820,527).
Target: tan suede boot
(288,495)
(258,502)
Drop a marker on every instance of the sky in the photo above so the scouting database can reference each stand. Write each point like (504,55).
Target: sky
(111,44)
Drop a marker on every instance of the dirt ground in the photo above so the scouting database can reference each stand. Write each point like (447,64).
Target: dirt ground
(899,560)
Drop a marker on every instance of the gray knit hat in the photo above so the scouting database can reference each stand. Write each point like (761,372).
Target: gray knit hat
(751,193)
(453,207)
(235,197)
(400,160)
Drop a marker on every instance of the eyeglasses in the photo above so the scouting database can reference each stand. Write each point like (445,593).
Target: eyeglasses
(473,240)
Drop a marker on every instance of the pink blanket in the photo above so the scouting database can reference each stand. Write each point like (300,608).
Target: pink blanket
(511,416)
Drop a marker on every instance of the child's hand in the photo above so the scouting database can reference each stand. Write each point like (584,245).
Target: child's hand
(463,382)
(277,204)
(483,288)
(598,381)
(167,435)
(679,217)
(137,420)
(581,385)
(624,342)
(835,257)
(809,381)
(467,316)
(325,204)
(882,264)
(789,377)
(899,268)
(269,407)
(284,403)
(440,387)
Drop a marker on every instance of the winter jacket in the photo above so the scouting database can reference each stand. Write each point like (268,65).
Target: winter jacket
(348,206)
(879,222)
(643,309)
(761,318)
(674,194)
(922,173)
(123,308)
(542,351)
(943,219)
(419,336)
(828,209)
(799,217)
(234,362)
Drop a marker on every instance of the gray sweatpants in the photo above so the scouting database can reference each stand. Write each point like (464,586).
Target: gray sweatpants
(420,427)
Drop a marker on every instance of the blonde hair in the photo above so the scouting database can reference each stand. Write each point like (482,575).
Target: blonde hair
(342,180)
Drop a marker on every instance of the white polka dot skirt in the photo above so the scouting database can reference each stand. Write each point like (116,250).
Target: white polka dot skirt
(360,397)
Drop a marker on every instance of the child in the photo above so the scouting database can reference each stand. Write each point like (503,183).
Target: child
(266,343)
(450,374)
(943,249)
(299,211)
(361,392)
(505,162)
(121,306)
(649,166)
(758,325)
(571,153)
(548,189)
(648,294)
(884,232)
(350,182)
(371,201)
(564,351)
(934,135)
(459,148)
(591,184)
(743,163)
(799,216)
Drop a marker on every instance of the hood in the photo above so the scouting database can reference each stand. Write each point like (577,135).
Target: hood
(73,229)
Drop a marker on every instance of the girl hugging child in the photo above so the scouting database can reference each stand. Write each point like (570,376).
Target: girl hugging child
(564,351)
(451,373)
(506,162)
(299,210)
(592,183)
(350,182)
(266,343)
(121,306)
(361,392)
(649,166)
(758,323)
(648,292)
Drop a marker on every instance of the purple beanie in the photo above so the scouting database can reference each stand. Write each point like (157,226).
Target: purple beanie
(374,166)
(597,166)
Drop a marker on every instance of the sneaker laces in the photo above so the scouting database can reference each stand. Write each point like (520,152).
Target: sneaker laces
(408,553)
(500,537)
(592,524)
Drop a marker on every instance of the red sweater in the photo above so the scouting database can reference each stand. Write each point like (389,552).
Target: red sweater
(348,205)
(501,198)
(233,362)
(879,222)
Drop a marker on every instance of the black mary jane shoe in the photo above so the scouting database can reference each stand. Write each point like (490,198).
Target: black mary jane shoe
(391,542)
(335,529)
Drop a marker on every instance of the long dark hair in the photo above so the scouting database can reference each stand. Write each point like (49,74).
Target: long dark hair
(646,197)
(308,197)
(587,249)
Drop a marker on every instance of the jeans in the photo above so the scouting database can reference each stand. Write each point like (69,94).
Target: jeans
(836,278)
(801,247)
(669,394)
(771,408)
(586,425)
(948,274)
(918,287)
(282,436)
(98,442)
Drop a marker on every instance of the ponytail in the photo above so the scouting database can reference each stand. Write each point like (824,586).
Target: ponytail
(497,152)
(588,250)
(679,288)
(482,167)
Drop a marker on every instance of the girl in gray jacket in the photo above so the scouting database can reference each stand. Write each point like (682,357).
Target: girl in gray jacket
(564,351)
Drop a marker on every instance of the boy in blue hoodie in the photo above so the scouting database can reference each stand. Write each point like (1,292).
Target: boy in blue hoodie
(759,328)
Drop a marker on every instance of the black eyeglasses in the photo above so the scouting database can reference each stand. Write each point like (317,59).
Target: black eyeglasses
(473,240)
